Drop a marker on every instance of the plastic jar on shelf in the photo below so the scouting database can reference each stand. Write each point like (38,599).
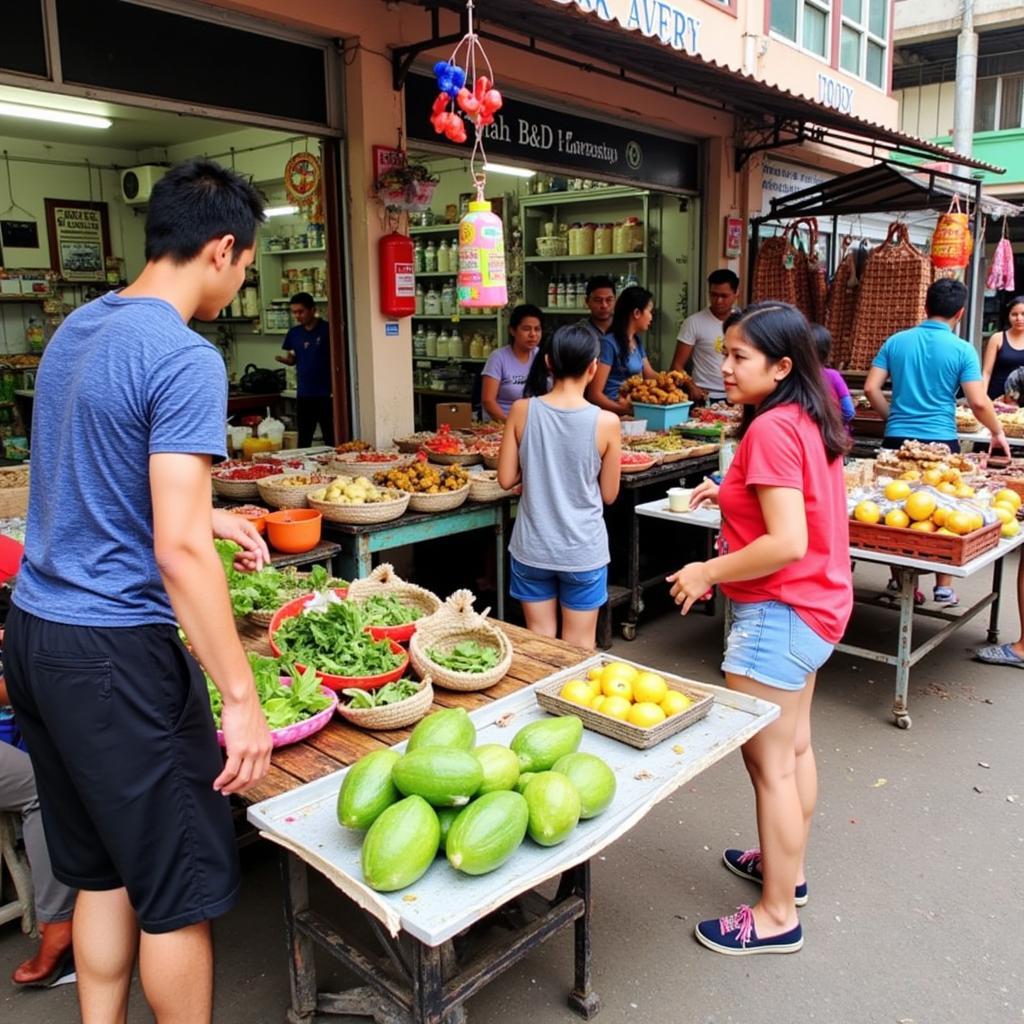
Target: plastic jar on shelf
(586,244)
(603,239)
(629,236)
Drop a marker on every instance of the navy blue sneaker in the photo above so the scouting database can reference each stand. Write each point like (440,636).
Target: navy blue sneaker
(735,936)
(747,864)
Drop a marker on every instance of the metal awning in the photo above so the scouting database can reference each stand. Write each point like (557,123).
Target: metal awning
(775,117)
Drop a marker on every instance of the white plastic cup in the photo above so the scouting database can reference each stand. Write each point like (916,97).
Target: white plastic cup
(679,499)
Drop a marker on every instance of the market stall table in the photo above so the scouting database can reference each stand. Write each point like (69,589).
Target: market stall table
(323,554)
(906,572)
(984,437)
(420,979)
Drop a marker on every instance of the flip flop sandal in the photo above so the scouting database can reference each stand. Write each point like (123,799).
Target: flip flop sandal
(1001,654)
(892,589)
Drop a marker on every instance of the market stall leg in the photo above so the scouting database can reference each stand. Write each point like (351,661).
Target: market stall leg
(997,588)
(636,590)
(301,964)
(907,579)
(582,999)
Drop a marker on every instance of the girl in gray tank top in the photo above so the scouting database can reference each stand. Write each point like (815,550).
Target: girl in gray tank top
(565,452)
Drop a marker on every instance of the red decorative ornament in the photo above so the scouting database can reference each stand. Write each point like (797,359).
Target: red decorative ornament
(303,177)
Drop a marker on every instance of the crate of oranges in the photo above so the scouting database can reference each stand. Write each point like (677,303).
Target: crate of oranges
(628,702)
(935,523)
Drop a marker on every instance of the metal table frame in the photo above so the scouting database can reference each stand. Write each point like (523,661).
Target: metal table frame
(906,571)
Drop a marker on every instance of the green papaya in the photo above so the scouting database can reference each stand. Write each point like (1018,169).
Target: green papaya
(443,776)
(445,817)
(500,767)
(400,845)
(540,744)
(367,789)
(554,807)
(451,727)
(524,781)
(487,832)
(593,779)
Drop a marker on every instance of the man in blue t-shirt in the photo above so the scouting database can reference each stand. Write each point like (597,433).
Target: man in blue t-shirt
(928,364)
(307,346)
(129,413)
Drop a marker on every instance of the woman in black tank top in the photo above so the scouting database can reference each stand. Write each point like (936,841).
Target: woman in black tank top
(1005,351)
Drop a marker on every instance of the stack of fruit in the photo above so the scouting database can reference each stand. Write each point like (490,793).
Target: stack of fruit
(475,804)
(626,693)
(423,478)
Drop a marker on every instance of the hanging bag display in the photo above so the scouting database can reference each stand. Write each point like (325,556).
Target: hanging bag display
(842,302)
(781,267)
(1001,274)
(952,243)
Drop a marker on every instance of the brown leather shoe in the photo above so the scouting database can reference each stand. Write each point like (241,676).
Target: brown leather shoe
(52,959)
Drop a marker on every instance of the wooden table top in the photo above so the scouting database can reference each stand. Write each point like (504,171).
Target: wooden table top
(340,743)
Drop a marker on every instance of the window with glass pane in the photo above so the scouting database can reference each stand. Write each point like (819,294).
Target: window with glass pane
(852,9)
(783,18)
(875,72)
(1010,103)
(849,50)
(876,17)
(985,104)
(815,30)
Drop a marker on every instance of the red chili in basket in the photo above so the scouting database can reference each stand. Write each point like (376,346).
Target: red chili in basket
(635,459)
(255,472)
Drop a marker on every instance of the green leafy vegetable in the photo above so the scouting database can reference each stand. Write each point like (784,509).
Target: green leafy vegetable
(392,693)
(385,610)
(333,641)
(469,656)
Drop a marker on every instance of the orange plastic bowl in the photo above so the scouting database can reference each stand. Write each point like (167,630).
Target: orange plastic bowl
(256,515)
(294,530)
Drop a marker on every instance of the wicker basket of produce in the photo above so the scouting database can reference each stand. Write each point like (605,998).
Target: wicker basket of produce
(391,707)
(368,463)
(241,480)
(484,487)
(289,490)
(383,582)
(443,501)
(458,649)
(454,458)
(355,445)
(346,501)
(13,491)
(412,443)
(637,462)
(431,488)
(490,461)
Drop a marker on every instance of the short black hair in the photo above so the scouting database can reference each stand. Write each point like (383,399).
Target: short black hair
(724,276)
(822,338)
(945,298)
(302,299)
(197,201)
(599,281)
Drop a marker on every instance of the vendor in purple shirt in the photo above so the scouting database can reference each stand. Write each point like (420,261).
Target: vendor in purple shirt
(506,370)
(833,378)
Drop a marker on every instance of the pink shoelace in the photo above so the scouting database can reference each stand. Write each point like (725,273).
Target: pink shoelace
(751,857)
(742,921)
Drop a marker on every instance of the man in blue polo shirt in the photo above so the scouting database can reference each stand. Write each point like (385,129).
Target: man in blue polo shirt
(928,364)
(308,346)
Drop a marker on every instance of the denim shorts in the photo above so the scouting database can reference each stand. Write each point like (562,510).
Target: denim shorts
(577,591)
(769,642)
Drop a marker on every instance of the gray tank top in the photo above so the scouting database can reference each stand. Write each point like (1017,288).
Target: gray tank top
(560,522)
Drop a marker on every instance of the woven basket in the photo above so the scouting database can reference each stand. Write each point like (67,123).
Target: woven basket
(490,461)
(346,465)
(410,444)
(842,305)
(375,512)
(263,618)
(891,295)
(455,623)
(781,269)
(1013,429)
(454,458)
(236,488)
(443,502)
(294,496)
(14,492)
(392,716)
(930,547)
(384,580)
(484,487)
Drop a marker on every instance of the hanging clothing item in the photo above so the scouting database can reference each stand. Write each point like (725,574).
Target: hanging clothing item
(1000,274)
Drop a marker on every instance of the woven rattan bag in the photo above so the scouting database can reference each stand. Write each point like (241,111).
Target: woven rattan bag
(891,295)
(842,305)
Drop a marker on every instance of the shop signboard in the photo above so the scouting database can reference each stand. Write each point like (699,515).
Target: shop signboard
(667,22)
(79,234)
(780,179)
(543,137)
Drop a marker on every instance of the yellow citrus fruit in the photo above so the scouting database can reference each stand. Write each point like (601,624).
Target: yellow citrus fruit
(867,512)
(963,491)
(911,474)
(951,475)
(939,516)
(649,687)
(619,668)
(645,714)
(616,686)
(577,691)
(946,533)
(598,702)
(919,505)
(958,522)
(977,521)
(673,702)
(594,674)
(897,517)
(1010,529)
(1003,513)
(1008,497)
(932,477)
(924,526)
(897,490)
(947,487)
(616,707)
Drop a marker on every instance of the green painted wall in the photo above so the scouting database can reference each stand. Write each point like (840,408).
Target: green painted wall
(1004,149)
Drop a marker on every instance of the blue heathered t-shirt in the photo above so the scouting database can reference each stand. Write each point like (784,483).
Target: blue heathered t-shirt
(312,359)
(927,364)
(122,379)
(611,356)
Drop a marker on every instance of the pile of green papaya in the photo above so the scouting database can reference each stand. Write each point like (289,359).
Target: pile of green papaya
(474,804)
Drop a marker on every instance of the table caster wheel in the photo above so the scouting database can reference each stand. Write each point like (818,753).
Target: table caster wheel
(903,721)
(629,631)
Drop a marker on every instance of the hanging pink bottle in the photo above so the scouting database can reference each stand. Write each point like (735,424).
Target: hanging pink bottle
(481,258)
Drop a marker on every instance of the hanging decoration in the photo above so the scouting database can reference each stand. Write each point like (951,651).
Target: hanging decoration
(1001,274)
(466,96)
(303,180)
(952,242)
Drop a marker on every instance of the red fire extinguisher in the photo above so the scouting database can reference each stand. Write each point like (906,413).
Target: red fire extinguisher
(397,284)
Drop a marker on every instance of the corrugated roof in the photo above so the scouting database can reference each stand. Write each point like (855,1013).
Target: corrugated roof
(706,81)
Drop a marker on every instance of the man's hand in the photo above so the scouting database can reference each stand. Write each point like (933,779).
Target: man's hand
(697,393)
(254,554)
(248,745)
(999,441)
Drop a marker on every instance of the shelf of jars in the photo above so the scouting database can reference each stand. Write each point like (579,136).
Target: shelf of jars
(434,229)
(602,257)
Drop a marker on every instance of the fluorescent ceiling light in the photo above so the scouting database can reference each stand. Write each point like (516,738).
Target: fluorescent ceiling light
(280,211)
(53,116)
(516,172)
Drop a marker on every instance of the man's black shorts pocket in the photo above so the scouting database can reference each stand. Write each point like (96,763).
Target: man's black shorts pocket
(85,683)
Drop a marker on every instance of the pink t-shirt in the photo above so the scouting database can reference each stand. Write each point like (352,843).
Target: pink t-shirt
(783,448)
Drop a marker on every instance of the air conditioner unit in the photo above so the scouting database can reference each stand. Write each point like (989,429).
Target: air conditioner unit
(137,183)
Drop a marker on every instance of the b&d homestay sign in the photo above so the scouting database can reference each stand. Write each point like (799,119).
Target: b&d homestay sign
(541,137)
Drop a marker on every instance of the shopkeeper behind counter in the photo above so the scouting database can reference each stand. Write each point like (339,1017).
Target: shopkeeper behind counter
(307,347)
(504,375)
(622,350)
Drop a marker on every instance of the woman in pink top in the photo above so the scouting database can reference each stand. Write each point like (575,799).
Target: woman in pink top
(785,565)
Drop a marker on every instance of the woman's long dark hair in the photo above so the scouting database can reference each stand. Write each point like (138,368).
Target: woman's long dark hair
(566,353)
(778,330)
(629,301)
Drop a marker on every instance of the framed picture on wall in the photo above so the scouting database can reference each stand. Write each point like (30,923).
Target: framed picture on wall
(79,234)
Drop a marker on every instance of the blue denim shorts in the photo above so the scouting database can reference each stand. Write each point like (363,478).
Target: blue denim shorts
(769,642)
(577,591)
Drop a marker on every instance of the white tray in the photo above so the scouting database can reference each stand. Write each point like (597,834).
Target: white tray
(443,902)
